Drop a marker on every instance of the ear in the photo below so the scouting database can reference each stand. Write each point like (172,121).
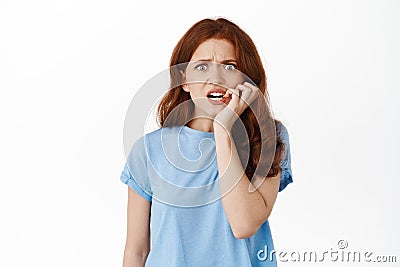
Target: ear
(185,87)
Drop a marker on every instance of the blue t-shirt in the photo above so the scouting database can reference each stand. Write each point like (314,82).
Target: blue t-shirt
(176,170)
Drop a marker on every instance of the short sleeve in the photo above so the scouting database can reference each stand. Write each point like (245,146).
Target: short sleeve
(135,173)
(286,176)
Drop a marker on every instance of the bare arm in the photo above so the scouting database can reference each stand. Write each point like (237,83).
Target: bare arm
(137,245)
(245,211)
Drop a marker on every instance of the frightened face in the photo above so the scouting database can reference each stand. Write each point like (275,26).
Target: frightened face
(210,72)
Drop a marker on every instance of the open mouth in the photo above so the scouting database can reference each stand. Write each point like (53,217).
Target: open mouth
(216,96)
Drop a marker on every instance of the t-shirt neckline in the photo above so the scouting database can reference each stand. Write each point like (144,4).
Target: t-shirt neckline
(187,129)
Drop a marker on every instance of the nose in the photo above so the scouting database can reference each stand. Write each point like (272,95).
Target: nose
(216,74)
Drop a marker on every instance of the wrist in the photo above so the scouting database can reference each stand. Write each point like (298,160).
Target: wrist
(221,128)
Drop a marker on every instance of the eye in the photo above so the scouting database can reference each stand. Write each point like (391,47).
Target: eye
(201,67)
(230,66)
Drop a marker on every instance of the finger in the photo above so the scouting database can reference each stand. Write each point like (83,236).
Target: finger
(252,86)
(235,93)
(246,92)
(255,89)
(254,94)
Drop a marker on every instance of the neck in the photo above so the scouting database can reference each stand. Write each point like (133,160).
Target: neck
(201,124)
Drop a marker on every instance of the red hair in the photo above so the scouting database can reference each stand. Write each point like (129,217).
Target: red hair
(249,63)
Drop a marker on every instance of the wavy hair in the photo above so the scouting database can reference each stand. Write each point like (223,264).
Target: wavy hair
(249,144)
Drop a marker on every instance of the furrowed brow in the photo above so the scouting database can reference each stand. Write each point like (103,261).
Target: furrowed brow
(210,60)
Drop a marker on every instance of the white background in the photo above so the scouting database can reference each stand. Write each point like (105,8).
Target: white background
(69,69)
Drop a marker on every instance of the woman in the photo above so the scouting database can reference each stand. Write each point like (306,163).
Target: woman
(204,198)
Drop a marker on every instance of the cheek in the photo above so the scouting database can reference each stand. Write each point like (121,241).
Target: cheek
(196,89)
(233,80)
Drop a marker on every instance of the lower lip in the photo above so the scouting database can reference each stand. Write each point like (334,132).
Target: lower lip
(217,102)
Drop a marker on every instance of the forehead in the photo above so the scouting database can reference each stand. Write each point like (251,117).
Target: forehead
(215,50)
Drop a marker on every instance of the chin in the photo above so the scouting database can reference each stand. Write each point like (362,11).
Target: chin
(210,111)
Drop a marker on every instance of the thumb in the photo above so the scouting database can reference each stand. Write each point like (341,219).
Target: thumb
(235,94)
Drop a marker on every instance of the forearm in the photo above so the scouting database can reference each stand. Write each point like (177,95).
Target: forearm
(244,210)
(134,259)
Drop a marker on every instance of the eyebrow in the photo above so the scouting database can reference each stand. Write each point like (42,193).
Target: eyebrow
(209,60)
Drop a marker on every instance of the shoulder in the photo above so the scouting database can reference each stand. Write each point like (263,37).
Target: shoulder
(283,134)
(152,134)
(156,136)
(159,132)
(142,143)
(282,131)
(155,140)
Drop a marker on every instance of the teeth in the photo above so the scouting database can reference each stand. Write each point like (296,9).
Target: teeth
(216,95)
